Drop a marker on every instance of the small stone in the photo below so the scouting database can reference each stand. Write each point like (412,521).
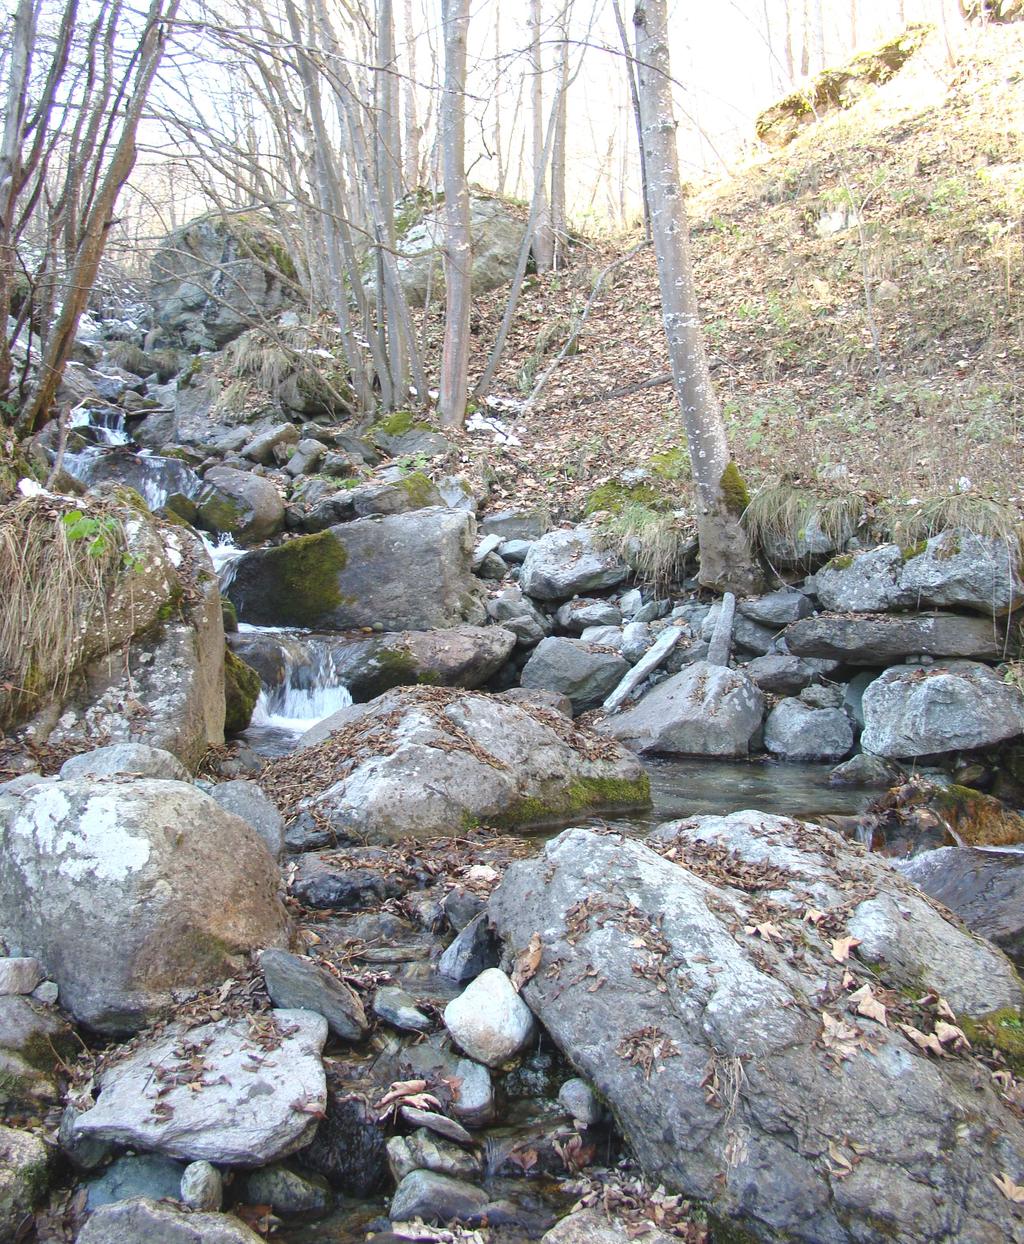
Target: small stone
(288,1192)
(489,1020)
(474,950)
(474,1102)
(19,976)
(461,906)
(299,984)
(399,1009)
(866,770)
(578,1100)
(145,1174)
(422,1151)
(435,1198)
(202,1187)
(47,993)
(439,1123)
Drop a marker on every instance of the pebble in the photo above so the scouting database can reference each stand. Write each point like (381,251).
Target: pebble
(489,1020)
(202,1186)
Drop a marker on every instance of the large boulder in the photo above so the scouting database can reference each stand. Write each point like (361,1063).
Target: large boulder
(497,237)
(240,504)
(142,1220)
(201,1103)
(567,563)
(130,890)
(210,279)
(705,710)
(883,639)
(368,665)
(797,731)
(913,710)
(586,673)
(24,1174)
(953,569)
(984,888)
(428,761)
(756,1001)
(166,688)
(404,571)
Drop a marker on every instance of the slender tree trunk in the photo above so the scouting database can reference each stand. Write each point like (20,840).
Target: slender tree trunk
(818,30)
(413,133)
(543,240)
(631,78)
(805,43)
(458,252)
(727,562)
(98,221)
(559,221)
(502,170)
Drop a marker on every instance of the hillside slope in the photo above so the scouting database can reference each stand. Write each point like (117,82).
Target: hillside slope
(915,194)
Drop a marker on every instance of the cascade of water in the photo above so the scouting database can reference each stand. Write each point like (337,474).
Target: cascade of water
(156,479)
(224,555)
(310,690)
(107,425)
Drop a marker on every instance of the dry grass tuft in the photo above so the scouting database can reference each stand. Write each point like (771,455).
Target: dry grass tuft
(783,513)
(58,572)
(959,511)
(655,545)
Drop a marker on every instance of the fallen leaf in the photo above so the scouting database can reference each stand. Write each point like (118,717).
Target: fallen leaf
(1013,1192)
(813,916)
(841,947)
(868,1005)
(770,932)
(950,1034)
(527,963)
(926,1041)
(842,1166)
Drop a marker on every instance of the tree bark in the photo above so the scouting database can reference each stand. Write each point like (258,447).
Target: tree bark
(727,562)
(458,253)
(543,238)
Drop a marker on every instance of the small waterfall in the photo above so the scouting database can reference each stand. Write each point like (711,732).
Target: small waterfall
(224,554)
(310,690)
(154,478)
(106,426)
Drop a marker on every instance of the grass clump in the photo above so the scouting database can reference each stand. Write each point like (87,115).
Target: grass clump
(958,511)
(783,515)
(655,544)
(59,567)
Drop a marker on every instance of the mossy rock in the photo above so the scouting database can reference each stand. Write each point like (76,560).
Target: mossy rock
(613,498)
(1001,1030)
(584,795)
(300,584)
(734,492)
(977,820)
(241,690)
(420,489)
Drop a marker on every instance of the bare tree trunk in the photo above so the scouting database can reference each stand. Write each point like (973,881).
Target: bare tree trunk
(805,43)
(631,78)
(853,25)
(458,253)
(559,222)
(727,562)
(98,220)
(787,13)
(543,241)
(413,133)
(818,29)
(502,171)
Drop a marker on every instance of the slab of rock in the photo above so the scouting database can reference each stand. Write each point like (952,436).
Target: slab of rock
(705,710)
(692,987)
(427,762)
(288,1192)
(912,710)
(410,492)
(594,1226)
(474,950)
(131,759)
(19,976)
(794,730)
(438,1123)
(24,1173)
(777,608)
(435,1198)
(867,582)
(576,615)
(780,674)
(984,888)
(489,1020)
(130,890)
(888,638)
(257,1098)
(144,1174)
(582,671)
(566,563)
(517,524)
(422,1151)
(401,572)
(142,1221)
(295,983)
(240,504)
(398,1008)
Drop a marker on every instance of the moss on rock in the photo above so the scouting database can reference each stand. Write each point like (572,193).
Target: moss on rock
(241,691)
(734,492)
(976,819)
(584,794)
(613,498)
(300,584)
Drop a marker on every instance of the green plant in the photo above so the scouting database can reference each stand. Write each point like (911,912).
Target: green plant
(95,532)
(784,513)
(654,544)
(958,511)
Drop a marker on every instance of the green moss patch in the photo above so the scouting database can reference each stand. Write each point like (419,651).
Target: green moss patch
(241,691)
(734,492)
(613,498)
(1001,1030)
(299,579)
(585,794)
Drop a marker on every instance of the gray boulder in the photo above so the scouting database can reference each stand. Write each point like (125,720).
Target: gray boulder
(265,446)
(518,614)
(240,504)
(245,799)
(294,983)
(751,1078)
(574,668)
(422,1151)
(517,524)
(745,633)
(288,1192)
(127,759)
(595,1226)
(984,888)
(410,492)
(960,570)
(497,236)
(35,1046)
(867,770)
(576,615)
(427,762)
(142,1221)
(201,1186)
(798,731)
(19,976)
(305,458)
(777,608)
(866,582)
(201,1106)
(24,1173)
(705,710)
(118,887)
(210,279)
(887,638)
(145,1174)
(404,571)
(565,563)
(780,674)
(914,710)
(489,1020)
(436,1198)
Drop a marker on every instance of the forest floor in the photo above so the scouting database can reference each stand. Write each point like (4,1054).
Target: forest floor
(915,195)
